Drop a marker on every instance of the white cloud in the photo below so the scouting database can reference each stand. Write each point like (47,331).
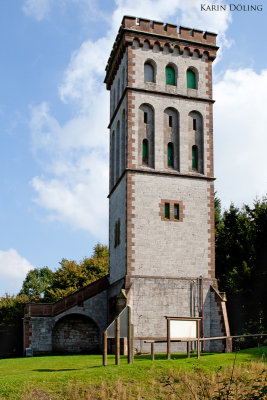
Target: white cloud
(37,9)
(240,121)
(13,269)
(74,183)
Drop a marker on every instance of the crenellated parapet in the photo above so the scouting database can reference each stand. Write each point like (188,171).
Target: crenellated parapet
(149,33)
(171,30)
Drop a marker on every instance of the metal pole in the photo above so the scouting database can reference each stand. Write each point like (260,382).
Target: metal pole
(105,348)
(152,351)
(118,341)
(168,340)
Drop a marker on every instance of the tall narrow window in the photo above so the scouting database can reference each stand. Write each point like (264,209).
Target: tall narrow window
(170,76)
(117,233)
(170,121)
(194,124)
(191,79)
(149,73)
(145,151)
(194,157)
(145,117)
(167,210)
(170,155)
(176,214)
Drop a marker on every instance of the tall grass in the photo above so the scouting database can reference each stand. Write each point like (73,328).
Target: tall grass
(242,382)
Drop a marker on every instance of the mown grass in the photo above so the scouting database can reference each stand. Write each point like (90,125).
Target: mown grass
(60,377)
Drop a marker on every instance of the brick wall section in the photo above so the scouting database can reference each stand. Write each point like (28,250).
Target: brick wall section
(131,161)
(211,230)
(75,334)
(130,223)
(209,143)
(27,332)
(209,78)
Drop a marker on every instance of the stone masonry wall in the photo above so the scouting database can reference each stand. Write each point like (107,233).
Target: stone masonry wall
(40,336)
(75,334)
(170,248)
(152,299)
(117,210)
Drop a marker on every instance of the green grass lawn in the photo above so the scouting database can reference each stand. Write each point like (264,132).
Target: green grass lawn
(53,373)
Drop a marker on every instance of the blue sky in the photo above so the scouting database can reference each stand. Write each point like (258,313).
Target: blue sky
(54,112)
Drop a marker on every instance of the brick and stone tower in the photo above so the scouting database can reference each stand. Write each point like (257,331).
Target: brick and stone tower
(161,221)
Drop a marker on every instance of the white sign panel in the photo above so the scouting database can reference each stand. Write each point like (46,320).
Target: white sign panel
(183,329)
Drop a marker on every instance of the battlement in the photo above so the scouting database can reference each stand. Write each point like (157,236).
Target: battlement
(165,29)
(164,33)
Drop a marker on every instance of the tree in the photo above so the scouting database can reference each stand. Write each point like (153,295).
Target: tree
(72,276)
(36,283)
(241,264)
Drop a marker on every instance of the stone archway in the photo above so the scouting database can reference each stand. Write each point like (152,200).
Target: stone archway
(75,333)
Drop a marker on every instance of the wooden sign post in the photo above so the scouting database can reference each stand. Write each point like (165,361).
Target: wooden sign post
(183,329)
(121,327)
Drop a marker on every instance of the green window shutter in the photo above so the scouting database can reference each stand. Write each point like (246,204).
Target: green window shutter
(167,210)
(194,157)
(191,79)
(170,76)
(145,151)
(176,211)
(170,155)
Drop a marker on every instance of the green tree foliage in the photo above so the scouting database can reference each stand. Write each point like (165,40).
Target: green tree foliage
(72,276)
(241,254)
(36,283)
(12,308)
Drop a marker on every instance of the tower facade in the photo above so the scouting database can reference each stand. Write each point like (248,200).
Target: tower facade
(161,193)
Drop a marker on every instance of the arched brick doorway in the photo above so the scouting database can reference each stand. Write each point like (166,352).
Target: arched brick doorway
(75,333)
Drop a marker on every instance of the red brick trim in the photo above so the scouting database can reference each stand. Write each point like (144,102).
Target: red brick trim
(211,229)
(171,202)
(27,333)
(209,141)
(130,215)
(208,78)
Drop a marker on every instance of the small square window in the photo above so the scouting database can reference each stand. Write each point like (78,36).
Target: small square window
(145,117)
(176,212)
(194,124)
(170,121)
(167,210)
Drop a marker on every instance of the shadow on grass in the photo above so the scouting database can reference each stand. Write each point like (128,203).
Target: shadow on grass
(56,370)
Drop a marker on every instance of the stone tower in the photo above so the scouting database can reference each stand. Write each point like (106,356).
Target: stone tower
(161,197)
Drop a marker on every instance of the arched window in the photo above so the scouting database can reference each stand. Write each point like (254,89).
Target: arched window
(172,138)
(170,75)
(145,152)
(149,73)
(118,150)
(194,157)
(191,79)
(170,155)
(146,135)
